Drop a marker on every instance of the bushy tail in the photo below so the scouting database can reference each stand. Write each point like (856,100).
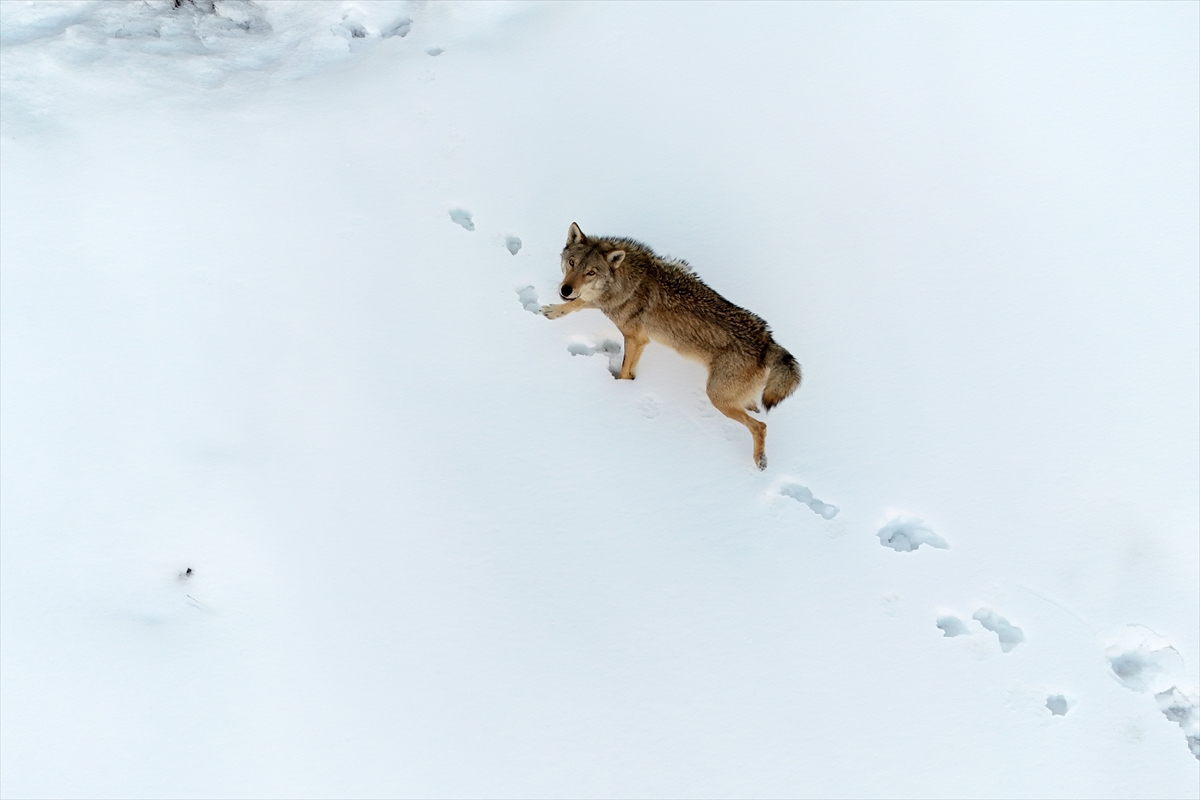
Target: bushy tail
(783,378)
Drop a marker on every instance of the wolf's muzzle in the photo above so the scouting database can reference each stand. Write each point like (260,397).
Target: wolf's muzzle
(565,291)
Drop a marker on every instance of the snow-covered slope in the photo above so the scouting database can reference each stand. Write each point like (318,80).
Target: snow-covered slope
(436,550)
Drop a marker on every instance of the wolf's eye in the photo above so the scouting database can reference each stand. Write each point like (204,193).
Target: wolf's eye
(571,262)
(591,272)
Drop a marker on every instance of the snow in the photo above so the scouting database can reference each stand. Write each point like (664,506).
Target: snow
(804,495)
(1009,635)
(434,553)
(462,217)
(951,625)
(905,533)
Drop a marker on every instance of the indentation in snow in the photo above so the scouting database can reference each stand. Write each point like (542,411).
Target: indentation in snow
(609,347)
(1184,710)
(1009,635)
(461,216)
(1058,705)
(892,604)
(1146,662)
(529,299)
(804,495)
(400,28)
(513,243)
(951,625)
(435,51)
(649,406)
(352,25)
(905,534)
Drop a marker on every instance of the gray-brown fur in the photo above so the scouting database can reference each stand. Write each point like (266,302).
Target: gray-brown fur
(649,297)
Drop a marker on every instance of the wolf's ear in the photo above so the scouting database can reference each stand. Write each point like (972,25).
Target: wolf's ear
(575,236)
(615,258)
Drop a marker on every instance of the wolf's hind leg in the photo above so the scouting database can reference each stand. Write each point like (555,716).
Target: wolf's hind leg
(635,343)
(728,388)
(757,429)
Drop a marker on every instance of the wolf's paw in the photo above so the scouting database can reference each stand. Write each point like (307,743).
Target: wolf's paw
(553,311)
(761,461)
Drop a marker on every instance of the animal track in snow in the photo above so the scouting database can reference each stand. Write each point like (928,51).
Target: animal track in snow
(609,347)
(529,300)
(1146,662)
(435,51)
(513,244)
(1009,635)
(804,495)
(649,406)
(703,404)
(905,534)
(460,216)
(892,604)
(400,28)
(352,25)
(951,625)
(1058,705)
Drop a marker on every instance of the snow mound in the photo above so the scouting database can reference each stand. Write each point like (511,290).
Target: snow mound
(201,36)
(905,534)
(55,53)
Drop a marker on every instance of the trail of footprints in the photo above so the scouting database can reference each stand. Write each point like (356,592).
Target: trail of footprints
(1140,659)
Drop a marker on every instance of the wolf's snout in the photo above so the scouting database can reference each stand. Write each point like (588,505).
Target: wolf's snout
(565,291)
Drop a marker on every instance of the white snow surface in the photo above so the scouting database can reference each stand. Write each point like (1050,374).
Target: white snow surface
(435,554)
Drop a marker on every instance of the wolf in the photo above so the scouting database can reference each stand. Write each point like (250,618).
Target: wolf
(650,297)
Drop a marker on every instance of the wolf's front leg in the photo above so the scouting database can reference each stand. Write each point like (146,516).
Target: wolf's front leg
(635,343)
(562,309)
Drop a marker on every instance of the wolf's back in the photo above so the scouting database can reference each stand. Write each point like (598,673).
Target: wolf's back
(783,378)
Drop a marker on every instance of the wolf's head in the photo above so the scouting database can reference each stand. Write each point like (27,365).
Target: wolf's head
(588,267)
